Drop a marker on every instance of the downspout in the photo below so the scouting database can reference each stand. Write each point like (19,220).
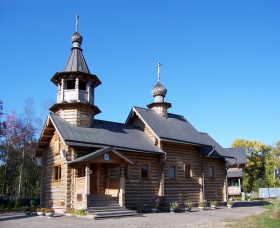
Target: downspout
(202,176)
(162,174)
(202,172)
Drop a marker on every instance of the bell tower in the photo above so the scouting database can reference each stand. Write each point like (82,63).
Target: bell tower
(75,87)
(159,92)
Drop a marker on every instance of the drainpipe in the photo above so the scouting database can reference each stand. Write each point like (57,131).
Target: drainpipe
(202,177)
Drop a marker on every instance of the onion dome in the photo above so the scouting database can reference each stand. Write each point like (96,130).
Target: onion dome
(159,90)
(77,39)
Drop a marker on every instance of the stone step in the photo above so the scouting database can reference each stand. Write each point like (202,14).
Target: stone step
(106,209)
(125,213)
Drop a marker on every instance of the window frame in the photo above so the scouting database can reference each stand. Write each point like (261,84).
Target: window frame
(213,171)
(57,169)
(148,170)
(187,164)
(175,172)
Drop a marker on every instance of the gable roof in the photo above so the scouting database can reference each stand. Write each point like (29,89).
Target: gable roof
(239,153)
(104,134)
(97,153)
(173,128)
(176,128)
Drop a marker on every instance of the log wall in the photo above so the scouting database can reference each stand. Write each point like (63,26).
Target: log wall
(182,187)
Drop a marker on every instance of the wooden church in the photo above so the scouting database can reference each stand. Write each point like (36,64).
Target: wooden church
(154,154)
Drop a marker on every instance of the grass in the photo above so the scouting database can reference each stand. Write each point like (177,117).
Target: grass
(268,219)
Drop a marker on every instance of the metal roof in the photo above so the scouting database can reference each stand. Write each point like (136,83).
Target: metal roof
(218,149)
(234,172)
(76,62)
(104,134)
(97,153)
(174,127)
(239,153)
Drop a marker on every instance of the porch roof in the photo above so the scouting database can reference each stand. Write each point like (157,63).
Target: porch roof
(234,172)
(97,153)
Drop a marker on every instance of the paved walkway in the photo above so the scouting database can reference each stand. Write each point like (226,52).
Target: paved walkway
(196,218)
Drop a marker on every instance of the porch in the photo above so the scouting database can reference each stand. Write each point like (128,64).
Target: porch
(99,179)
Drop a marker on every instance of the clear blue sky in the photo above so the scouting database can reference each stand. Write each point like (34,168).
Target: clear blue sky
(221,59)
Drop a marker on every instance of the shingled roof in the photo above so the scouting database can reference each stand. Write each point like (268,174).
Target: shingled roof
(104,134)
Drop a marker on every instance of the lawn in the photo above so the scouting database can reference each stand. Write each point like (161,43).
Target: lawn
(269,219)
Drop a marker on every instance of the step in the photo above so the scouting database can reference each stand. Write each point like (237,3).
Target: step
(116,214)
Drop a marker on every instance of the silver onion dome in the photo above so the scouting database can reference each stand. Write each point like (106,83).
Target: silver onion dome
(159,90)
(77,39)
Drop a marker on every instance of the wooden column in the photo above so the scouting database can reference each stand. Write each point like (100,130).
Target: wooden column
(89,93)
(77,88)
(122,186)
(87,179)
(62,90)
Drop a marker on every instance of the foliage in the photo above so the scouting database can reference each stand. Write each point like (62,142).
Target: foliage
(33,203)
(188,204)
(69,210)
(49,210)
(263,161)
(19,174)
(174,205)
(80,212)
(202,204)
(39,209)
(229,203)
(214,203)
(268,219)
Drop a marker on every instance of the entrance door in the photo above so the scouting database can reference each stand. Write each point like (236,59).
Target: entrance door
(94,179)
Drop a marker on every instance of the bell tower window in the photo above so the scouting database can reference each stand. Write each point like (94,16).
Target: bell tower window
(70,84)
(82,85)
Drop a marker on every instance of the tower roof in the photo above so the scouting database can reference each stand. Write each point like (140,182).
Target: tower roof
(76,61)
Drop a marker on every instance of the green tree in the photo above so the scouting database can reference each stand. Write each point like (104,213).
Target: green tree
(261,164)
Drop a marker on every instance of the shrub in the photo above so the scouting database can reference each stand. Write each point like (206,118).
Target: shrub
(11,204)
(49,210)
(40,209)
(188,204)
(80,212)
(33,203)
(202,204)
(69,210)
(174,205)
(214,203)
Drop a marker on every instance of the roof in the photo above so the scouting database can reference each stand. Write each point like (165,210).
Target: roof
(104,134)
(238,153)
(173,128)
(218,149)
(234,172)
(97,153)
(176,128)
(76,62)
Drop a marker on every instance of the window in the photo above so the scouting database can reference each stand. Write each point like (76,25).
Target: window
(172,172)
(211,171)
(144,171)
(188,170)
(70,84)
(57,173)
(82,85)
(81,170)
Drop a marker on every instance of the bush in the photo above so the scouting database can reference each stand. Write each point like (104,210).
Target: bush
(11,204)
(49,210)
(69,210)
(33,203)
(80,212)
